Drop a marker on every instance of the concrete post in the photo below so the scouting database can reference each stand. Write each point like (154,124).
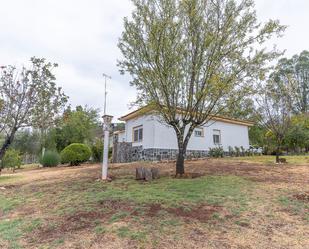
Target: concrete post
(105,155)
(106,126)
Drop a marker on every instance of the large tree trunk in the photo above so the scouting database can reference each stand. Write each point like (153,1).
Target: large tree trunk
(7,143)
(182,148)
(180,163)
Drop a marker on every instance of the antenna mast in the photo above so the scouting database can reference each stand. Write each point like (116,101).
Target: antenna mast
(105,92)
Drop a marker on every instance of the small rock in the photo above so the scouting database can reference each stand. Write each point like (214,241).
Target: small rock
(148,175)
(140,174)
(155,173)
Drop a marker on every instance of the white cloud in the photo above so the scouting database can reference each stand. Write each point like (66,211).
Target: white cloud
(82,37)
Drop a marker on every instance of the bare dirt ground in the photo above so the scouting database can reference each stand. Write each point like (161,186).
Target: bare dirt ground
(275,213)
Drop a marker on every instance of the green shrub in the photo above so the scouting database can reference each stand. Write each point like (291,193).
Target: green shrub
(243,151)
(75,154)
(11,159)
(50,159)
(216,152)
(231,151)
(110,152)
(237,151)
(97,151)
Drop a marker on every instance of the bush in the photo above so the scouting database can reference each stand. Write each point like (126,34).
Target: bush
(75,154)
(11,159)
(97,151)
(231,151)
(50,159)
(216,152)
(110,152)
(237,151)
(243,151)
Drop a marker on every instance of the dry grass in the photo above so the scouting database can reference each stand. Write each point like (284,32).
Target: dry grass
(270,160)
(239,203)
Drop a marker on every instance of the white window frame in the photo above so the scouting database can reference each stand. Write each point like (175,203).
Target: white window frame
(140,134)
(216,133)
(199,129)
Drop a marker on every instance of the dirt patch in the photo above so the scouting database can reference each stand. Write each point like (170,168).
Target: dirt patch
(154,209)
(304,197)
(118,205)
(57,228)
(5,187)
(83,218)
(81,221)
(202,213)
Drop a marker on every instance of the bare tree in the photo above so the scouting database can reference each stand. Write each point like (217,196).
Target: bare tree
(275,108)
(188,57)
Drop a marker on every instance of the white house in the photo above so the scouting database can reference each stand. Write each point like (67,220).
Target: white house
(151,139)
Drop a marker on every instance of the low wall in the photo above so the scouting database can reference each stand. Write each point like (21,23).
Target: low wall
(122,152)
(125,152)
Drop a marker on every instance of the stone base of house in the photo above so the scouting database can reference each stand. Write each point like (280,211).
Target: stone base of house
(125,152)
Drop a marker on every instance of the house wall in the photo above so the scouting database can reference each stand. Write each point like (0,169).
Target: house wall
(231,135)
(160,142)
(159,138)
(148,124)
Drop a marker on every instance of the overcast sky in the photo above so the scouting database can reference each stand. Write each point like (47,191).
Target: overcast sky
(81,36)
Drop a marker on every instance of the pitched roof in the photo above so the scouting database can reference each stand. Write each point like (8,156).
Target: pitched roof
(147,109)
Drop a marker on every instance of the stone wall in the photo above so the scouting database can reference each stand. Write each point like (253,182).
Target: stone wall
(122,152)
(125,152)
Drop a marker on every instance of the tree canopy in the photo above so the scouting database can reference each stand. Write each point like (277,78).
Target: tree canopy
(188,58)
(77,126)
(297,68)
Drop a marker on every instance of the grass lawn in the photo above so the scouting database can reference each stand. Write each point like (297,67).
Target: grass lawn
(238,203)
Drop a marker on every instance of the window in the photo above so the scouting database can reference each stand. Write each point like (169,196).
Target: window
(138,134)
(217,136)
(199,132)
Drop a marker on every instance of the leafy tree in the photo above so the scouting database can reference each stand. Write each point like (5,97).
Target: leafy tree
(242,108)
(50,98)
(22,93)
(297,138)
(77,126)
(27,142)
(188,58)
(298,68)
(257,135)
(298,135)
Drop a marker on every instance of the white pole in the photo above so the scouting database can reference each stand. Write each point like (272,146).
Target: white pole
(106,125)
(105,155)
